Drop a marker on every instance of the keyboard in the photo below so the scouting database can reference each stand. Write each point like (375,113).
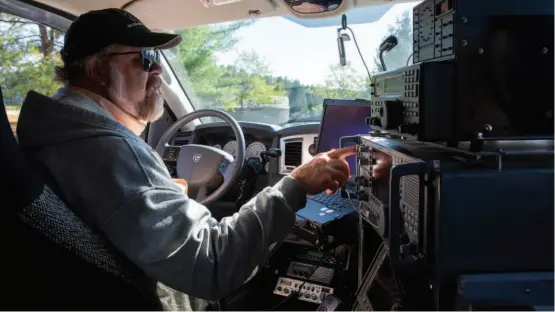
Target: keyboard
(324,209)
(334,201)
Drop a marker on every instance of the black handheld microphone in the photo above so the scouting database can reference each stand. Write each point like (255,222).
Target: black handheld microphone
(388,44)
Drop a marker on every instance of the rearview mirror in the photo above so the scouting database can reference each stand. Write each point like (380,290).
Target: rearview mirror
(313,6)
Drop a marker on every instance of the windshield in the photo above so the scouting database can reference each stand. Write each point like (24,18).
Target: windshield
(274,70)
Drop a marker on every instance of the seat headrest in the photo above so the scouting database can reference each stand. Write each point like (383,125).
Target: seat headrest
(19,186)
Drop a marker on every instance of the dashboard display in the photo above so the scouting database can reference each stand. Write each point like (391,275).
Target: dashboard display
(254,149)
(231,147)
(393,85)
(218,146)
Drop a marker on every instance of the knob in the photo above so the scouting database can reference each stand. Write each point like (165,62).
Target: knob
(362,196)
(364,148)
(312,149)
(392,115)
(364,181)
(363,161)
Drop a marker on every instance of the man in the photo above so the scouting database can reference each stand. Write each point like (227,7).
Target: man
(88,140)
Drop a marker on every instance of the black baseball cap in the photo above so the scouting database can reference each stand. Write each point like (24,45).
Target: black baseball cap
(93,31)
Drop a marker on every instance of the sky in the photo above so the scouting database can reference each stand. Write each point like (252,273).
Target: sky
(303,53)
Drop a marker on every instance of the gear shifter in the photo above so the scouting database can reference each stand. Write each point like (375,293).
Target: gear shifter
(266,155)
(272,152)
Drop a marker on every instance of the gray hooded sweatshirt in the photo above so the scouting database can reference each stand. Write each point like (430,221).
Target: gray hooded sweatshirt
(119,185)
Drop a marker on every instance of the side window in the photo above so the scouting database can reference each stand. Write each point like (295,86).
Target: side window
(28,54)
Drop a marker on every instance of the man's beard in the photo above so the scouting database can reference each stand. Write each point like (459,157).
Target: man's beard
(148,109)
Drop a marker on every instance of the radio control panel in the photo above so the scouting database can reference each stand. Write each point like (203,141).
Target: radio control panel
(307,291)
(415,101)
(433,30)
(301,270)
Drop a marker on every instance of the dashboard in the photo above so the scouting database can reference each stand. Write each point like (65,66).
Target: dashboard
(296,142)
(258,137)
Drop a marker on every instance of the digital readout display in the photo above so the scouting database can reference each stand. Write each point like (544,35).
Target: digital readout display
(393,85)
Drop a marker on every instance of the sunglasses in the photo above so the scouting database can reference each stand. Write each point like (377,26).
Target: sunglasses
(149,57)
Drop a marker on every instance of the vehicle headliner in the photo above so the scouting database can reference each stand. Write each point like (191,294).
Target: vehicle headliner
(180,14)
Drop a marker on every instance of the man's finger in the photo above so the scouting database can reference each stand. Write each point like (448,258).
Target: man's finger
(330,184)
(338,176)
(341,165)
(343,152)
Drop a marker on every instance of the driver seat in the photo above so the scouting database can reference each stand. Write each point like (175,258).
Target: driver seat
(51,259)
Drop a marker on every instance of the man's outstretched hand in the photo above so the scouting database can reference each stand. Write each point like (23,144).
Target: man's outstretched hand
(325,172)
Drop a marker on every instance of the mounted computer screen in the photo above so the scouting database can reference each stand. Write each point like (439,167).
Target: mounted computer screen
(342,118)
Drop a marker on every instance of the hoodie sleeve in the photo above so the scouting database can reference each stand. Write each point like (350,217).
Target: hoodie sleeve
(175,240)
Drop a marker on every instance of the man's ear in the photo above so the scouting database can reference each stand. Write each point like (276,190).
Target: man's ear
(96,70)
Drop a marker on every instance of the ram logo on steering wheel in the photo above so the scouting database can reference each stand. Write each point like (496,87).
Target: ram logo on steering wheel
(196,158)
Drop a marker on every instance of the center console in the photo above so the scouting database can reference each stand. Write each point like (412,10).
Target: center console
(310,274)
(301,278)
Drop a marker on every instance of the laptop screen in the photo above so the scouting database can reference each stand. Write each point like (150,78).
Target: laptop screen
(342,118)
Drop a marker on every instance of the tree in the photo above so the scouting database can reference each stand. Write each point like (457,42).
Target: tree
(248,80)
(28,55)
(398,56)
(196,55)
(344,83)
(248,65)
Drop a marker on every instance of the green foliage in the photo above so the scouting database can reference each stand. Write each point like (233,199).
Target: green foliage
(344,83)
(250,87)
(29,53)
(248,81)
(27,57)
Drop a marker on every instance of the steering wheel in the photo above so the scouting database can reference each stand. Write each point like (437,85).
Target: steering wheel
(200,165)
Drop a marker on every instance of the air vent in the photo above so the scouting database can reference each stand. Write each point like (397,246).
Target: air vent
(182,138)
(293,155)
